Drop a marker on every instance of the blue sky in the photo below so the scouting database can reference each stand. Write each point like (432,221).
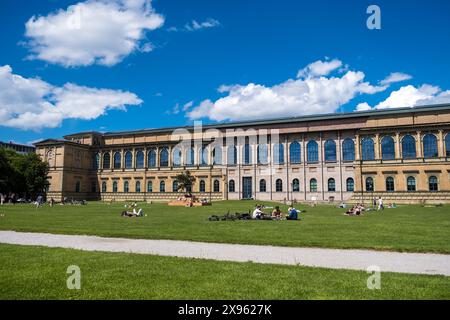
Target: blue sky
(251,47)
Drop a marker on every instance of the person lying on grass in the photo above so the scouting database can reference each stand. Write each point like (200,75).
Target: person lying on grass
(356,210)
(133,213)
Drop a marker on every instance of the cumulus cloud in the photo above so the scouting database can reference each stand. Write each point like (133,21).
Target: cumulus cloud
(395,77)
(92,32)
(310,93)
(364,106)
(31,103)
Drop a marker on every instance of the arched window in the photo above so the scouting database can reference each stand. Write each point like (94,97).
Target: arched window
(204,156)
(278,153)
(93,186)
(350,185)
(216,186)
(331,185)
(312,151)
(190,156)
(232,155)
(411,184)
(247,153)
(104,186)
(117,160)
(149,186)
(202,187)
(369,184)
(175,186)
(408,147)
(295,152)
(368,149)
(231,186)
(330,151)
(115,186)
(348,150)
(128,160)
(126,186)
(217,155)
(77,187)
(138,186)
(107,161)
(313,185)
(164,158)
(295,185)
(432,183)
(152,158)
(447,145)
(96,161)
(263,154)
(176,153)
(390,185)
(262,185)
(162,186)
(430,149)
(279,185)
(140,160)
(387,148)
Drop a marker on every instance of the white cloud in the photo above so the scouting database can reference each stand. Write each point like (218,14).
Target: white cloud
(209,23)
(364,106)
(30,103)
(395,77)
(92,32)
(311,93)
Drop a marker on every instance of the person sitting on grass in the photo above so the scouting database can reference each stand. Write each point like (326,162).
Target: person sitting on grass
(293,214)
(257,213)
(276,213)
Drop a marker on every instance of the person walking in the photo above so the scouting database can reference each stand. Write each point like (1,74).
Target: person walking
(380,204)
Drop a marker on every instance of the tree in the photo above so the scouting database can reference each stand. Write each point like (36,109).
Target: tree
(185,181)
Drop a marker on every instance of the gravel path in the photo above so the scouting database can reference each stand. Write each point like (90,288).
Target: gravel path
(418,263)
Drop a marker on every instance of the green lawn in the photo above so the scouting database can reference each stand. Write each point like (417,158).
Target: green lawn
(407,228)
(40,273)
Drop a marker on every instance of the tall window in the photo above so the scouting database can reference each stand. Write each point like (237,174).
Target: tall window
(164,158)
(387,148)
(140,160)
(126,186)
(216,186)
(162,186)
(312,149)
(408,147)
(369,184)
(190,156)
(149,186)
(175,186)
(152,158)
(313,185)
(128,160)
(96,161)
(77,187)
(231,186)
(447,145)
(411,184)
(176,157)
(295,152)
(232,155)
(204,156)
(117,160)
(138,186)
(217,155)
(350,183)
(348,150)
(331,185)
(263,154)
(432,183)
(390,186)
(295,185)
(430,149)
(115,186)
(330,151)
(278,153)
(202,186)
(262,185)
(107,161)
(247,154)
(104,187)
(279,185)
(368,149)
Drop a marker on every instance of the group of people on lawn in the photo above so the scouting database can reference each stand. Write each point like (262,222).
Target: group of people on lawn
(359,208)
(259,214)
(132,211)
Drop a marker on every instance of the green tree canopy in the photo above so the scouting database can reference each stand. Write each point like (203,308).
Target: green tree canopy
(185,181)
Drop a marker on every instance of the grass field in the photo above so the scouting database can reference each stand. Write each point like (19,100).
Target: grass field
(407,228)
(40,273)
